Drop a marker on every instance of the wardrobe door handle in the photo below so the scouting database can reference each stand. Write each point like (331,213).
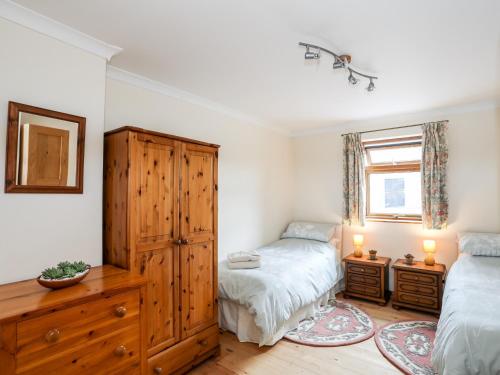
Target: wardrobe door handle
(184,241)
(177,242)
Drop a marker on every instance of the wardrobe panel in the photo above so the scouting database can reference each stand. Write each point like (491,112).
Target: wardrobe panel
(198,280)
(198,193)
(115,200)
(162,294)
(156,177)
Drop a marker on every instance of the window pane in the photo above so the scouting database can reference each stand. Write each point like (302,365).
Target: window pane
(395,155)
(395,193)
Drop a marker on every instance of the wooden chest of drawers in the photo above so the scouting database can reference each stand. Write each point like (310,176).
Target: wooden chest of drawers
(366,278)
(95,327)
(418,286)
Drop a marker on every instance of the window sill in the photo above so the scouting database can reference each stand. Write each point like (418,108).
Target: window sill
(394,220)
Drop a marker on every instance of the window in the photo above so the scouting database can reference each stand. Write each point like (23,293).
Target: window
(393,179)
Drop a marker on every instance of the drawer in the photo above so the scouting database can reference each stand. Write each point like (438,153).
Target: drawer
(362,279)
(429,302)
(362,269)
(424,290)
(115,354)
(59,330)
(363,289)
(185,352)
(415,277)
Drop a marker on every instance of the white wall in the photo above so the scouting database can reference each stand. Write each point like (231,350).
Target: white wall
(255,164)
(38,230)
(474,184)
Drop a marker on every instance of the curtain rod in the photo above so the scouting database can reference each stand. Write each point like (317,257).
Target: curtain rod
(395,127)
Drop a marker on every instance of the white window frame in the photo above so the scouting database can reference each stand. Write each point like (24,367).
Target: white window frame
(398,167)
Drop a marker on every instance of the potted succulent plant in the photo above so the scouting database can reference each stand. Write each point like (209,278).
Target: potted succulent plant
(64,275)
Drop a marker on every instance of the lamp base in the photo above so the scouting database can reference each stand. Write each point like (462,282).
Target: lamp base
(429,260)
(358,253)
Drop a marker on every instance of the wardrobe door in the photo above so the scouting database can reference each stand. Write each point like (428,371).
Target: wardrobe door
(155,213)
(199,238)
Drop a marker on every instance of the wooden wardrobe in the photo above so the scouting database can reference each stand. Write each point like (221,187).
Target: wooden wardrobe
(160,220)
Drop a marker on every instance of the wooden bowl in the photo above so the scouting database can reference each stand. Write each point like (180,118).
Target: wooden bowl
(63,283)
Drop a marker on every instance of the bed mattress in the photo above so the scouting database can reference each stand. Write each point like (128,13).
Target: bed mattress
(468,333)
(294,273)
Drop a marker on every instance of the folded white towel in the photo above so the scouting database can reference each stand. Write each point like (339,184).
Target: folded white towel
(243,256)
(244,265)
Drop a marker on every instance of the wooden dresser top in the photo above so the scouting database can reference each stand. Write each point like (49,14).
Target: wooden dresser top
(23,297)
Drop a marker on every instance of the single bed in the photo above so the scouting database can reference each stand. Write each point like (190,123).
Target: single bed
(468,333)
(296,277)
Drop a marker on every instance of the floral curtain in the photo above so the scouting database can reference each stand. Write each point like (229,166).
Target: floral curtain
(354,180)
(434,175)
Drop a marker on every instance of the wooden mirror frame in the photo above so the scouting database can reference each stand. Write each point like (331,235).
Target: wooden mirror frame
(11,185)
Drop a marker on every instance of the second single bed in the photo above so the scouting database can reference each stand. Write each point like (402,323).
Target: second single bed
(468,334)
(296,277)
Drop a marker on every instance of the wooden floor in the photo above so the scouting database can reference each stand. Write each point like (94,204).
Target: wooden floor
(288,358)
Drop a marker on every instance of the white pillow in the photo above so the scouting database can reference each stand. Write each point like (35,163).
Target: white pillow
(310,231)
(487,244)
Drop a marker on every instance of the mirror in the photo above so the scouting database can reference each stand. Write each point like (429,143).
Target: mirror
(44,151)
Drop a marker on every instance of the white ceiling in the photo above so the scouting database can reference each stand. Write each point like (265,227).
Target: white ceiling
(244,54)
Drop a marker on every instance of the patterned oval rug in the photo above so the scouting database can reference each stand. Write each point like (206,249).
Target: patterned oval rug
(408,345)
(336,324)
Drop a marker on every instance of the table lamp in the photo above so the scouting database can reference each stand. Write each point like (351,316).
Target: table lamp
(429,249)
(358,240)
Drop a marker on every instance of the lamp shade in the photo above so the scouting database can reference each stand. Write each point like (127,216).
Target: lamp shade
(358,239)
(430,246)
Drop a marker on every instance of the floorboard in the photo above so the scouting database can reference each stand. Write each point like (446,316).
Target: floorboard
(288,358)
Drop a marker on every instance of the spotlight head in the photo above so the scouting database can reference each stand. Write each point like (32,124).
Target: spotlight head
(352,80)
(338,64)
(311,55)
(371,86)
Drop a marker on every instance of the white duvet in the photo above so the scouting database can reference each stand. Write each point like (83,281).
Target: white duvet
(468,333)
(294,273)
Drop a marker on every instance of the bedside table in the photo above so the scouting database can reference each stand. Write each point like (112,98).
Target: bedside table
(368,279)
(418,286)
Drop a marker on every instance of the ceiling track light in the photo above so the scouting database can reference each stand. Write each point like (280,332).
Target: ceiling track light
(352,80)
(311,55)
(340,62)
(371,86)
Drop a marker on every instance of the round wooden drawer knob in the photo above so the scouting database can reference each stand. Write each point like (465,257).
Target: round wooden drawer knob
(120,351)
(203,342)
(52,336)
(121,311)
(158,370)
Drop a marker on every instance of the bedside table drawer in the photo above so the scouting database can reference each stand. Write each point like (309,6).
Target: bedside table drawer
(428,302)
(420,278)
(431,291)
(364,270)
(363,279)
(363,289)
